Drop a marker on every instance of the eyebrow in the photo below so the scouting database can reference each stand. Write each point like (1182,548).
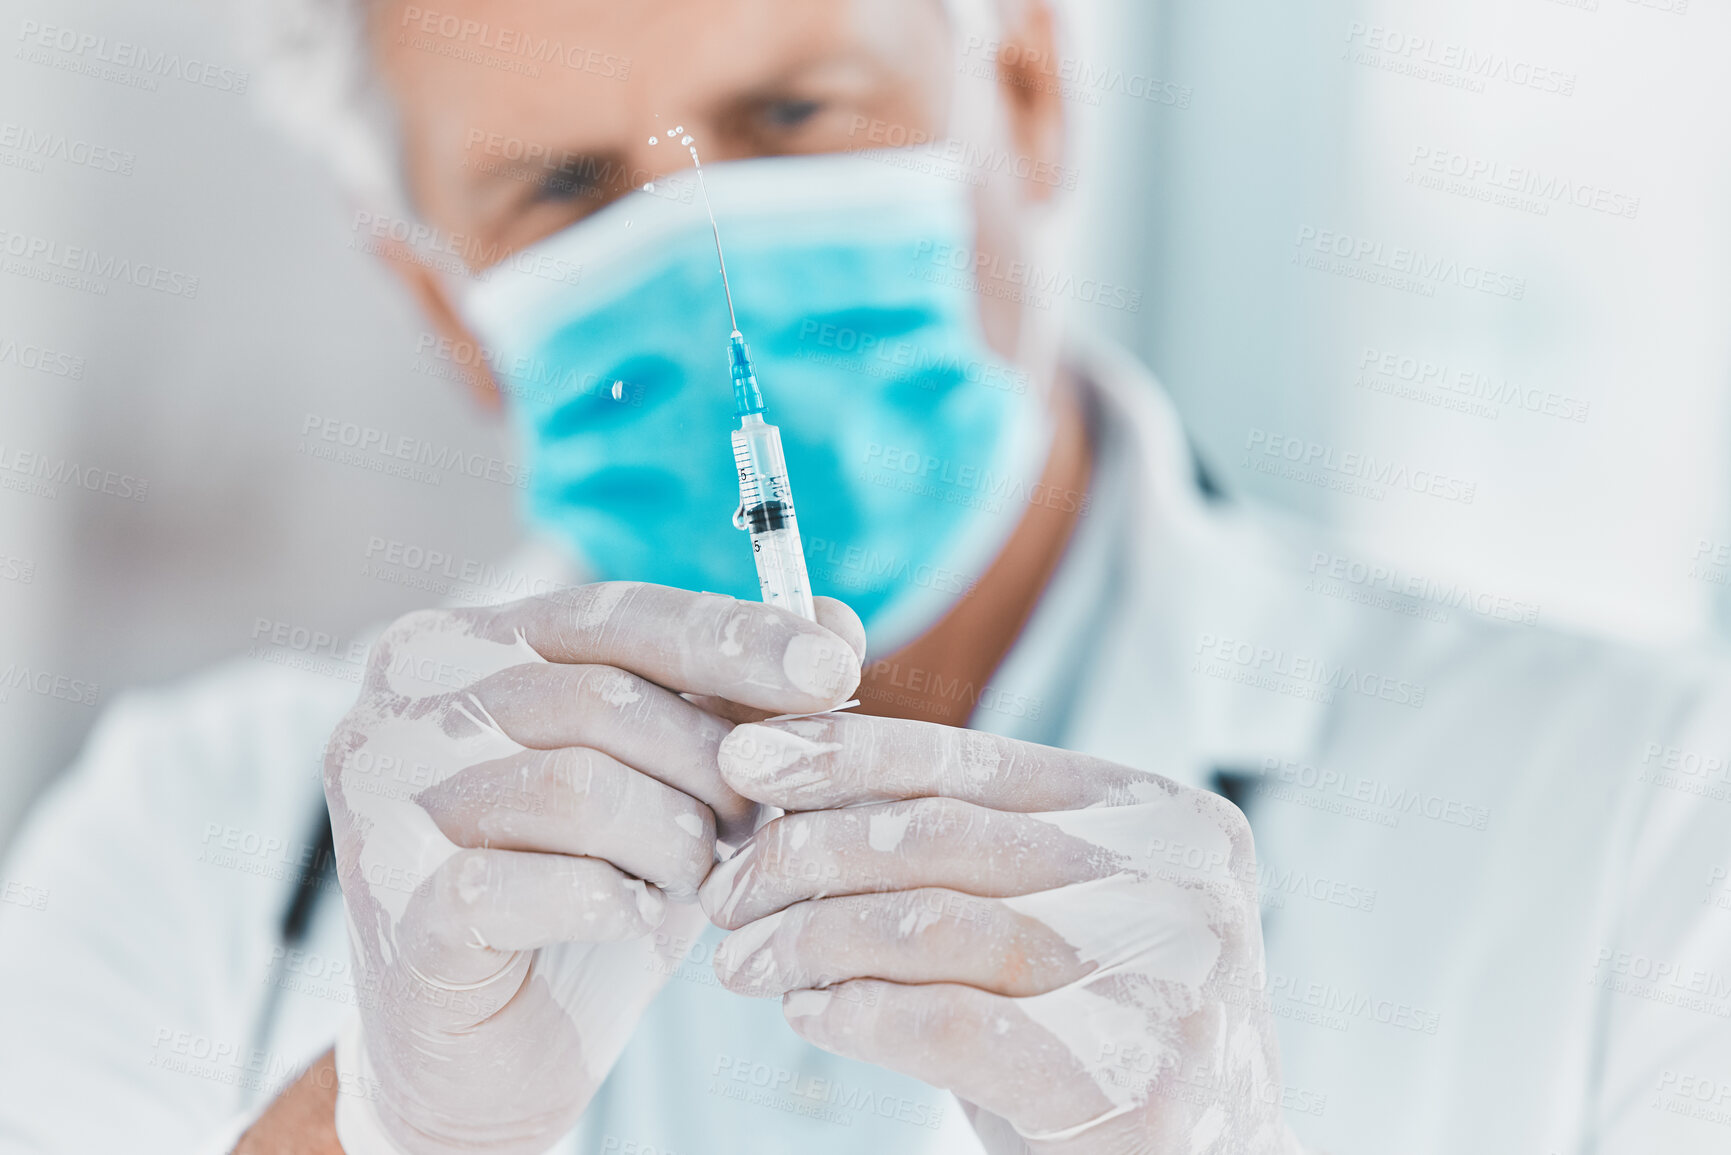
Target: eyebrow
(592,170)
(548,168)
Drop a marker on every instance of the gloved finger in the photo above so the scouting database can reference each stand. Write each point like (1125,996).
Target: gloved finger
(928,935)
(845,759)
(751,653)
(834,616)
(983,1047)
(1024,945)
(838,618)
(550,706)
(579,801)
(481,906)
(897,846)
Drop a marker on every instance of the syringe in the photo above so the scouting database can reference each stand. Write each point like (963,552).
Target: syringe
(765,497)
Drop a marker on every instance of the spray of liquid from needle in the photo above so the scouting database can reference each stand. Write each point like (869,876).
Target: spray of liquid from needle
(725,287)
(715,231)
(710,209)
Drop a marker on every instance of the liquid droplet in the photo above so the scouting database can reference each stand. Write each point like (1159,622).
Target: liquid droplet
(652,140)
(679,130)
(650,187)
(618,390)
(685,140)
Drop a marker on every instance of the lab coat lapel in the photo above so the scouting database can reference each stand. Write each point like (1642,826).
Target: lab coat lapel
(1191,577)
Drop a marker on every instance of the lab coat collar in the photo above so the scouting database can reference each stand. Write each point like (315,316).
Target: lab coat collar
(1193,574)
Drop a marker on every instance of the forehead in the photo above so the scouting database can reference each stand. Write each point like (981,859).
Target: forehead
(607,67)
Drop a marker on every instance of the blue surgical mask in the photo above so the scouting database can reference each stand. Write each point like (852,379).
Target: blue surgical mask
(912,447)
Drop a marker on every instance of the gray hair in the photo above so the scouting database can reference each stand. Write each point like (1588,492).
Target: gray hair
(315,80)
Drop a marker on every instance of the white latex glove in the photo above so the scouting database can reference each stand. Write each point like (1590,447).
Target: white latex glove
(515,797)
(1072,947)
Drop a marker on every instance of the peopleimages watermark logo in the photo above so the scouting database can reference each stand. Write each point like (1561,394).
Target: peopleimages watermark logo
(904,684)
(830,1100)
(1023,282)
(1185,863)
(454,253)
(24,894)
(86,269)
(47,684)
(519,375)
(1319,1003)
(1447,63)
(1674,982)
(963,161)
(119,61)
(1304,676)
(963,483)
(1365,799)
(444,574)
(264,855)
(40,475)
(22,146)
(612,1144)
(1718,888)
(1078,80)
(1711,562)
(1400,267)
(1521,187)
(1347,471)
(40,358)
(500,46)
(1694,1095)
(308,649)
(692,960)
(848,565)
(1458,388)
(232,1064)
(1152,1070)
(1705,774)
(17,569)
(1382,585)
(378,450)
(876,355)
(563,174)
(1667,7)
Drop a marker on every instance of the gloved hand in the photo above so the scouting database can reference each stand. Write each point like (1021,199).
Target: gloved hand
(516,796)
(1071,947)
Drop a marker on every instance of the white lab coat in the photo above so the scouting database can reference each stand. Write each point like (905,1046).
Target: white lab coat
(1497,921)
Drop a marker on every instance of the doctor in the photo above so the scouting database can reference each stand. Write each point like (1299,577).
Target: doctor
(1490,863)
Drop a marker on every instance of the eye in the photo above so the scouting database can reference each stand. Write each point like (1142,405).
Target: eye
(574,180)
(786,114)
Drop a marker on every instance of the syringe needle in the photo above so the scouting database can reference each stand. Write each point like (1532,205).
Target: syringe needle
(765,497)
(710,209)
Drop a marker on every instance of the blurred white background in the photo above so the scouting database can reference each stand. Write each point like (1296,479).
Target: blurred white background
(1244,166)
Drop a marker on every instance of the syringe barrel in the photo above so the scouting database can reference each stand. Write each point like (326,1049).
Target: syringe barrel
(766,512)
